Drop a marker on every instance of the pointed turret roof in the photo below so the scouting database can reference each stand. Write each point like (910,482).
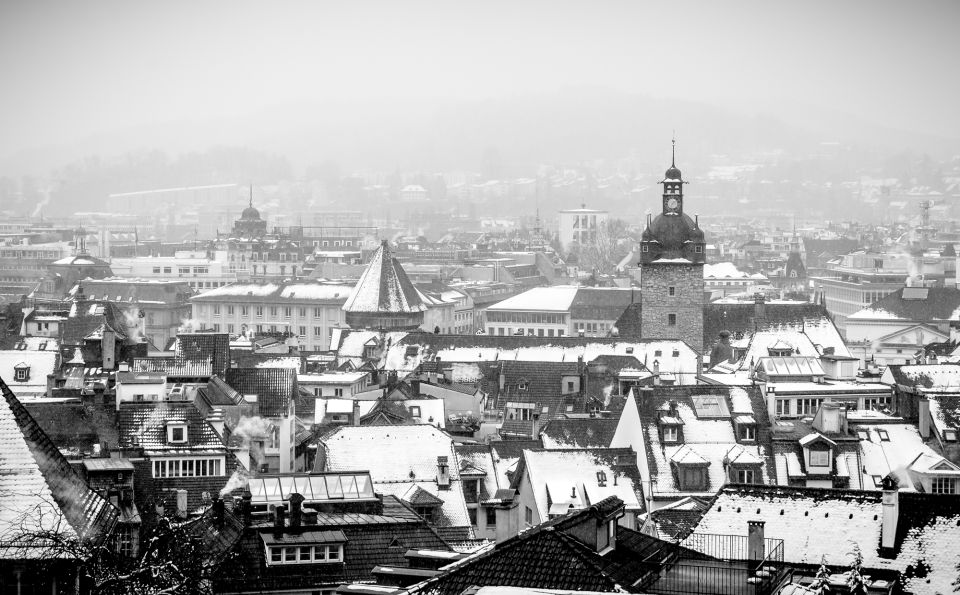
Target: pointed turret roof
(384,288)
(41,492)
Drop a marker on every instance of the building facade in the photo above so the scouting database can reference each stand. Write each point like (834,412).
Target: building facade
(581,226)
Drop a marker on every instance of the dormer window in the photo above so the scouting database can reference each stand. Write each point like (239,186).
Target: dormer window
(671,433)
(21,372)
(522,385)
(819,457)
(176,432)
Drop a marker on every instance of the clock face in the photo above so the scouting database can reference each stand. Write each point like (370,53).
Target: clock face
(672,204)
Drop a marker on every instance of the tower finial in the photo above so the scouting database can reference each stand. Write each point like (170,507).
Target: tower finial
(673,150)
(251,194)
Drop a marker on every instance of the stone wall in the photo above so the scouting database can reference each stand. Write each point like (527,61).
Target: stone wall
(687,302)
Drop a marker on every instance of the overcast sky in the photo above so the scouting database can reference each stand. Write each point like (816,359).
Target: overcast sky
(76,68)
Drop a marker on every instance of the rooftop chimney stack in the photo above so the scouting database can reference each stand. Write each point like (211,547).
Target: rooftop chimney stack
(296,512)
(755,540)
(182,504)
(279,521)
(923,411)
(443,473)
(891,514)
(218,510)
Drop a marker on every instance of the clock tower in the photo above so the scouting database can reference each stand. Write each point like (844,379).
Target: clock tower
(672,255)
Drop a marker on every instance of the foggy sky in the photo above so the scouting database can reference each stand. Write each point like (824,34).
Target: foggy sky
(73,69)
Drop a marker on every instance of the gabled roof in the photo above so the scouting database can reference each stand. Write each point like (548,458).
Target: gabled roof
(384,287)
(548,556)
(213,347)
(40,490)
(274,387)
(590,432)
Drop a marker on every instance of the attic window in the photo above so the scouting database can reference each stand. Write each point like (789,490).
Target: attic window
(522,385)
(884,436)
(950,435)
(21,372)
(644,248)
(863,434)
(698,249)
(176,432)
(601,479)
(671,433)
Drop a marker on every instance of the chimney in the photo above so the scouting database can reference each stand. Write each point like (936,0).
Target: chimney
(356,412)
(218,510)
(759,310)
(216,421)
(923,411)
(246,506)
(280,513)
(296,512)
(503,378)
(443,473)
(415,386)
(182,504)
(755,541)
(891,514)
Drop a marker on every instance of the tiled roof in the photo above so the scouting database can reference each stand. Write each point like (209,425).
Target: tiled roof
(743,318)
(371,540)
(40,489)
(174,366)
(579,432)
(274,387)
(213,347)
(549,557)
(702,437)
(144,425)
(677,520)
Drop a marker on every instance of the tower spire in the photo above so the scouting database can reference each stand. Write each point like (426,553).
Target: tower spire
(673,150)
(251,194)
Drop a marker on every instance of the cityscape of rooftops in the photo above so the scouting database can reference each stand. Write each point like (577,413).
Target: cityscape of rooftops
(503,298)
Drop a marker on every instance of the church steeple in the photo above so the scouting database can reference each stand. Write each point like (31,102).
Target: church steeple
(673,185)
(672,234)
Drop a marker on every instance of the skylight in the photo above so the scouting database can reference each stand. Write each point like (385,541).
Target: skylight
(710,406)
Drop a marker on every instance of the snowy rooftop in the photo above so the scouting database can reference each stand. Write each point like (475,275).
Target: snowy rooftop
(287,291)
(557,298)
(384,287)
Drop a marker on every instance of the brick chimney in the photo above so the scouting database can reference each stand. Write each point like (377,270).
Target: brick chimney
(182,504)
(759,310)
(356,412)
(755,540)
(415,386)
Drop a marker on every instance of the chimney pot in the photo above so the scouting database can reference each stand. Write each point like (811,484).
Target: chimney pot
(923,412)
(755,540)
(296,512)
(891,515)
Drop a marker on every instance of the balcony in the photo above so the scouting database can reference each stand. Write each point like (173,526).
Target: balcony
(712,564)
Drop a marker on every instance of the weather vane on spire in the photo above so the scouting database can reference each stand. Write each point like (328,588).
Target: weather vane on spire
(673,149)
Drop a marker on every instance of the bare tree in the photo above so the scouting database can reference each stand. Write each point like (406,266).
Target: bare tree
(174,557)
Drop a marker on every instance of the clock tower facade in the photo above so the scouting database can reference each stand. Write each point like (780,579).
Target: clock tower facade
(672,255)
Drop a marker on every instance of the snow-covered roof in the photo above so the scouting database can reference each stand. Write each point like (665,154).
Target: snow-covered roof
(556,298)
(287,291)
(39,364)
(728,270)
(571,478)
(384,287)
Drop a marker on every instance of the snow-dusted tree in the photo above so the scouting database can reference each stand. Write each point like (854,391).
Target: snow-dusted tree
(821,582)
(855,581)
(174,557)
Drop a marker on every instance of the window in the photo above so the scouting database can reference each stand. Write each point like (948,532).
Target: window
(273,312)
(692,478)
(491,517)
(950,435)
(204,467)
(671,433)
(216,310)
(819,457)
(244,311)
(645,248)
(177,433)
(808,406)
(414,411)
(167,270)
(259,311)
(229,310)
(528,516)
(671,291)
(745,476)
(748,432)
(863,435)
(305,554)
(317,331)
(943,485)
(698,249)
(21,372)
(672,319)
(884,436)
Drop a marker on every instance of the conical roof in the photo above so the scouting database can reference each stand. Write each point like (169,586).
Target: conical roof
(384,288)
